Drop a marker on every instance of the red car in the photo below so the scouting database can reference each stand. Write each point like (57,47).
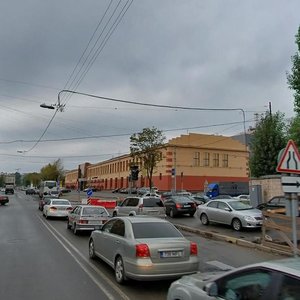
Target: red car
(3,200)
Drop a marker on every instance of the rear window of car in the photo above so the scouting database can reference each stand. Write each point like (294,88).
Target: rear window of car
(152,202)
(153,230)
(182,199)
(87,211)
(60,202)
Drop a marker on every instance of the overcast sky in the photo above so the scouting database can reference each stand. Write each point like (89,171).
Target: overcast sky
(192,53)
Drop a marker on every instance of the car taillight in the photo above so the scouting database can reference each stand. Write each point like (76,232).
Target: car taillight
(69,208)
(193,249)
(178,205)
(141,207)
(142,250)
(53,208)
(83,221)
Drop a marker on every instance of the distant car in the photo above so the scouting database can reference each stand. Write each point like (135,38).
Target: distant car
(56,193)
(278,279)
(65,190)
(200,199)
(87,218)
(231,212)
(243,197)
(9,190)
(3,200)
(180,205)
(54,207)
(144,249)
(222,197)
(132,206)
(30,192)
(2,189)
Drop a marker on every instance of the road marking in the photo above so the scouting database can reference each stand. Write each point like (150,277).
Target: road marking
(220,265)
(55,233)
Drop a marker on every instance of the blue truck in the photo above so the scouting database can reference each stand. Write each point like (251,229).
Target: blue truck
(227,188)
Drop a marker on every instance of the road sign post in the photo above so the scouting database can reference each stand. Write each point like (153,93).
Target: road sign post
(289,165)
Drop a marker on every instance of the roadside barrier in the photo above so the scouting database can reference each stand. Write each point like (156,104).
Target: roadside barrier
(107,203)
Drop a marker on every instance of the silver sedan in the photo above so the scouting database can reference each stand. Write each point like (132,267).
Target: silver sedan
(144,248)
(232,212)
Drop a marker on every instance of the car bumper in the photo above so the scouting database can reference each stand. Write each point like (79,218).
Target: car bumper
(144,269)
(252,224)
(88,227)
(58,214)
(4,201)
(182,211)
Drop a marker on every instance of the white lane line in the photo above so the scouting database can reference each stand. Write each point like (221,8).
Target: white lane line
(55,233)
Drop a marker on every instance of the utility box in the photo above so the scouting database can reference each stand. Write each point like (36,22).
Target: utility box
(255,195)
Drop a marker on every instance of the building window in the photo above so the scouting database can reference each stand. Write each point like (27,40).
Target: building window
(216,159)
(197,159)
(206,159)
(225,161)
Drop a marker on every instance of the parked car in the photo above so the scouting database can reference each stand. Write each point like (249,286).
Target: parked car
(3,200)
(30,192)
(65,190)
(243,197)
(278,280)
(132,206)
(275,204)
(54,207)
(200,199)
(180,205)
(231,212)
(144,249)
(87,218)
(56,193)
(222,197)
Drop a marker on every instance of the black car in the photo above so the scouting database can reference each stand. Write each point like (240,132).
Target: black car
(30,192)
(277,202)
(180,205)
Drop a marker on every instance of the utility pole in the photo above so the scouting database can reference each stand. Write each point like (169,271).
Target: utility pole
(270,108)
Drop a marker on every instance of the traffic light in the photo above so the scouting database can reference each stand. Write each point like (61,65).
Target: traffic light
(134,173)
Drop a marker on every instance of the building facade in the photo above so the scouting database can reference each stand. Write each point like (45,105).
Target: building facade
(189,162)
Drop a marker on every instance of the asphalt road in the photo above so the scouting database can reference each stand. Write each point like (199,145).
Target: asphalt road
(41,259)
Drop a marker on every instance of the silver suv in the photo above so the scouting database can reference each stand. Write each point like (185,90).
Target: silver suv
(132,206)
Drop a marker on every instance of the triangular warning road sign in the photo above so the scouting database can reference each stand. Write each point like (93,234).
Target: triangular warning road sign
(290,159)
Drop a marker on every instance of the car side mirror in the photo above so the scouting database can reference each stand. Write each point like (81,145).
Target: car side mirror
(211,289)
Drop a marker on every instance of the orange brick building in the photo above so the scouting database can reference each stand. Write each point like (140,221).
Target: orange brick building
(189,162)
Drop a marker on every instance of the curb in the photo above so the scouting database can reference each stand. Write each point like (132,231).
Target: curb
(232,240)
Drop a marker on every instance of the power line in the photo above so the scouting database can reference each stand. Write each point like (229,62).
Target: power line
(123,134)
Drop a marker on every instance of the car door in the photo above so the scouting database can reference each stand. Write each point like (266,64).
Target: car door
(223,213)
(211,210)
(252,284)
(107,241)
(122,207)
(74,215)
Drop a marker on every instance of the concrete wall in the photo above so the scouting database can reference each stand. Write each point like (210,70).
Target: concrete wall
(270,186)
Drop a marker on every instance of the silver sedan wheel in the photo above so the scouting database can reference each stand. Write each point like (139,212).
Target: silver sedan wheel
(236,224)
(204,219)
(119,270)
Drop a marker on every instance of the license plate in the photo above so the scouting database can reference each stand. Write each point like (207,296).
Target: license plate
(164,254)
(186,205)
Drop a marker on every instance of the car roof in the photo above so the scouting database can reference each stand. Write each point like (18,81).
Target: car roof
(143,219)
(87,205)
(287,265)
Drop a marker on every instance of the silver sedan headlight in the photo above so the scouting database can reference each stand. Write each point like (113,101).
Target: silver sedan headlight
(249,219)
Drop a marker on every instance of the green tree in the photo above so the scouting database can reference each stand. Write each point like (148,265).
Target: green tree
(293,78)
(146,147)
(294,130)
(268,139)
(54,171)
(32,178)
